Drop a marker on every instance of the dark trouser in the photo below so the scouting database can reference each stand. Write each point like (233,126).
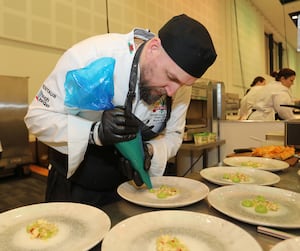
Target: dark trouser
(94,182)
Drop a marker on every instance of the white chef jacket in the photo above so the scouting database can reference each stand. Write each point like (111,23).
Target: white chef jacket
(248,101)
(68,131)
(268,102)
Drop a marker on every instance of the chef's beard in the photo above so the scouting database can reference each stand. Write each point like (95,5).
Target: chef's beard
(150,94)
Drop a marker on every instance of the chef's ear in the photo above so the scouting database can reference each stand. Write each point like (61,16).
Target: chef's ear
(154,44)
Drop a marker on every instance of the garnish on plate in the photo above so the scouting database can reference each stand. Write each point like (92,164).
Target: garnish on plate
(42,229)
(169,243)
(236,177)
(164,191)
(250,163)
(260,204)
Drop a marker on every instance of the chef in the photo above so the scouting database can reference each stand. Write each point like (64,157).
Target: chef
(268,101)
(152,78)
(248,100)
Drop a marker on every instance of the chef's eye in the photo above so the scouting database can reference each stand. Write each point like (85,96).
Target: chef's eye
(173,79)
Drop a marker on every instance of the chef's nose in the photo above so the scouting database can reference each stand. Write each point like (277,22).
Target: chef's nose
(172,89)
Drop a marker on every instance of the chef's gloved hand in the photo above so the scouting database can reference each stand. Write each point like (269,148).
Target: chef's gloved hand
(116,126)
(132,174)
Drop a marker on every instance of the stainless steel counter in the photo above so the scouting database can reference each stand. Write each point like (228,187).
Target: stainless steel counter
(122,209)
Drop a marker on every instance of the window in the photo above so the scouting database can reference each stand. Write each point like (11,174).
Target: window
(274,53)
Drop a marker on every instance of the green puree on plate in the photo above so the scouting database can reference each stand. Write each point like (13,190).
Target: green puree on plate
(260,204)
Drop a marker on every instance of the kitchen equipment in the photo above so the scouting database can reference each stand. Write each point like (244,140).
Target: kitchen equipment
(275,233)
(232,104)
(242,150)
(15,147)
(206,105)
(292,133)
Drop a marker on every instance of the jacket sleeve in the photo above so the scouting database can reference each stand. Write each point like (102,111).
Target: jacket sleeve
(243,112)
(283,98)
(51,123)
(166,145)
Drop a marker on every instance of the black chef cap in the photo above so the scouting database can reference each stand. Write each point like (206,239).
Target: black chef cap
(189,44)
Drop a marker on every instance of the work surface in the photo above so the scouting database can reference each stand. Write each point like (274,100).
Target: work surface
(16,192)
(122,209)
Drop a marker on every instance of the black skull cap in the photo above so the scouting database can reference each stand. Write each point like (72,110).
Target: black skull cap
(189,44)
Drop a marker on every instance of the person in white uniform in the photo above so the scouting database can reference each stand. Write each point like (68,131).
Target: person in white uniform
(269,100)
(249,98)
(152,78)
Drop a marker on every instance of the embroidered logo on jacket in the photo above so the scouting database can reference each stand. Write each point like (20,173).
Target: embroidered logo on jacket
(43,98)
(130,46)
(158,115)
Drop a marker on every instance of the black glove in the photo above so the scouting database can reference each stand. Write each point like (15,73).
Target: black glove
(131,173)
(116,126)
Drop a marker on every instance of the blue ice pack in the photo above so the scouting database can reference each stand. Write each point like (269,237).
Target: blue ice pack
(91,87)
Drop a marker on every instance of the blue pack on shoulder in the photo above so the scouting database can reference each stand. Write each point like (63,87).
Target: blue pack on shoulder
(91,87)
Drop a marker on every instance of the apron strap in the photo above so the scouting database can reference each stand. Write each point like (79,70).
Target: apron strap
(133,80)
(146,131)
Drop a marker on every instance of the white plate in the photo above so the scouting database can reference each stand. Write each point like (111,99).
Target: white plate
(190,191)
(227,199)
(265,163)
(258,177)
(292,244)
(197,231)
(80,227)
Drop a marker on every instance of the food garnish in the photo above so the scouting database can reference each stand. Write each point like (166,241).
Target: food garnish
(236,177)
(164,191)
(260,204)
(251,164)
(41,229)
(169,243)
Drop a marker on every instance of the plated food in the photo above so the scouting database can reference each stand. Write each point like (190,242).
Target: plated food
(42,229)
(237,177)
(274,152)
(260,204)
(164,191)
(285,205)
(190,230)
(53,226)
(257,163)
(167,242)
(169,192)
(229,175)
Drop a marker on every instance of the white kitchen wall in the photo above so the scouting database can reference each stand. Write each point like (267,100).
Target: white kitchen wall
(54,23)
(245,134)
(34,33)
